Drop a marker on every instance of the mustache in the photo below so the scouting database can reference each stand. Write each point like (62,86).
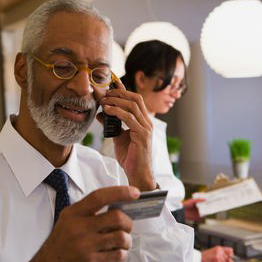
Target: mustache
(78,102)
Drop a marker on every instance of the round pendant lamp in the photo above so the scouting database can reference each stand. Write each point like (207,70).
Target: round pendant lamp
(118,59)
(163,31)
(231,39)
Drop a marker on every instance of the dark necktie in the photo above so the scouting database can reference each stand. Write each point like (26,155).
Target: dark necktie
(58,181)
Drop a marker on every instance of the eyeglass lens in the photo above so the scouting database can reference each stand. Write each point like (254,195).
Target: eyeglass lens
(67,70)
(101,75)
(64,69)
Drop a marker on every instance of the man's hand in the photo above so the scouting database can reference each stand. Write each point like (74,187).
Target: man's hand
(191,211)
(82,235)
(132,146)
(218,254)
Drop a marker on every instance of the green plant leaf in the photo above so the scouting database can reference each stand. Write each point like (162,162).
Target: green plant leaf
(240,150)
(88,140)
(173,144)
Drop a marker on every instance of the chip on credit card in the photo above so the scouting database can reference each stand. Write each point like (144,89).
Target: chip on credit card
(149,204)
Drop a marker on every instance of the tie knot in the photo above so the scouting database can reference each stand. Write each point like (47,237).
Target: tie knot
(58,180)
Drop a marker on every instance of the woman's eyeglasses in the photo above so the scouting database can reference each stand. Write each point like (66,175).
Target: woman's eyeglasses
(162,83)
(99,76)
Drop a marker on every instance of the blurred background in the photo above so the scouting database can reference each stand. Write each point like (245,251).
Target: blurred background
(215,109)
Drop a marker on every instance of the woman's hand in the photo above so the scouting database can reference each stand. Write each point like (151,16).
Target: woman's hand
(218,254)
(191,211)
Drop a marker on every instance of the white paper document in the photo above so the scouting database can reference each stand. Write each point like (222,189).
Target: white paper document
(243,193)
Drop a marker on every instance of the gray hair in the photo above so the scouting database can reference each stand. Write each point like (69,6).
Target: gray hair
(34,31)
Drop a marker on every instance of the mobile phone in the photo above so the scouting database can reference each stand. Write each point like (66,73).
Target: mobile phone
(112,125)
(149,204)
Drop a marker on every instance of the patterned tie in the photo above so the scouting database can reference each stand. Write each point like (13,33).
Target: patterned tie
(58,180)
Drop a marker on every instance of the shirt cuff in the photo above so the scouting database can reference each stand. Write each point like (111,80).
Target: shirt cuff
(197,256)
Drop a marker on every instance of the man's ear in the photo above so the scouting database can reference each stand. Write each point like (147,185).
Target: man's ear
(20,70)
(140,80)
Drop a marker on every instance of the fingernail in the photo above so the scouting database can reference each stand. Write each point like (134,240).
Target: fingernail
(134,192)
(91,89)
(106,106)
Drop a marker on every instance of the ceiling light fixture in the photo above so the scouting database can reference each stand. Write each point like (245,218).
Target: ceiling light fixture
(163,31)
(231,39)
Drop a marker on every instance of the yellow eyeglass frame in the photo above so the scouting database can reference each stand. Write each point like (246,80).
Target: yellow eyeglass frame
(78,68)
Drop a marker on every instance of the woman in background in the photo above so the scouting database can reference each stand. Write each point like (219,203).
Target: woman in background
(157,71)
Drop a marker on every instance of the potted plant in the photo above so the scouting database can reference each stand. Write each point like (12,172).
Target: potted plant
(240,155)
(88,139)
(174,146)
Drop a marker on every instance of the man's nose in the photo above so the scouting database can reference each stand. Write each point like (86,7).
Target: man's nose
(81,84)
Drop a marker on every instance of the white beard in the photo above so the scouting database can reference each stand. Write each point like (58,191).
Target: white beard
(56,128)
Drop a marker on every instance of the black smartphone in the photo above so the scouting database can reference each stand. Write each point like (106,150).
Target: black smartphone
(112,125)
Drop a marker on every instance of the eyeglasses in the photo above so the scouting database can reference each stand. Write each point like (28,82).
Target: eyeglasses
(162,83)
(99,76)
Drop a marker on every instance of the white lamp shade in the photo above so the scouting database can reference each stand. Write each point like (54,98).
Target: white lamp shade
(162,31)
(118,59)
(231,39)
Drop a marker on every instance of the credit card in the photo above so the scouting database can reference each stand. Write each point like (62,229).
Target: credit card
(149,204)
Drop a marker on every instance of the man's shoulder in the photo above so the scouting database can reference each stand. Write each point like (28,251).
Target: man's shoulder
(102,166)
(85,152)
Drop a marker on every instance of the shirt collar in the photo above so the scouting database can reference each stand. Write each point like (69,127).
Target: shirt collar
(72,168)
(28,165)
(158,123)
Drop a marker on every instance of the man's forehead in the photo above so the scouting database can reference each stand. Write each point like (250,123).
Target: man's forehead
(76,24)
(78,32)
(74,55)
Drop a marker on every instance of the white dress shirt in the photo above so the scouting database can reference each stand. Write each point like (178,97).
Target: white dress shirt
(164,172)
(162,168)
(27,204)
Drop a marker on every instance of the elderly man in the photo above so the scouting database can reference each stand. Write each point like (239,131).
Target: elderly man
(63,71)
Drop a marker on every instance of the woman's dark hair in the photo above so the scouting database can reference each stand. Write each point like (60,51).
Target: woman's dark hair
(151,57)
